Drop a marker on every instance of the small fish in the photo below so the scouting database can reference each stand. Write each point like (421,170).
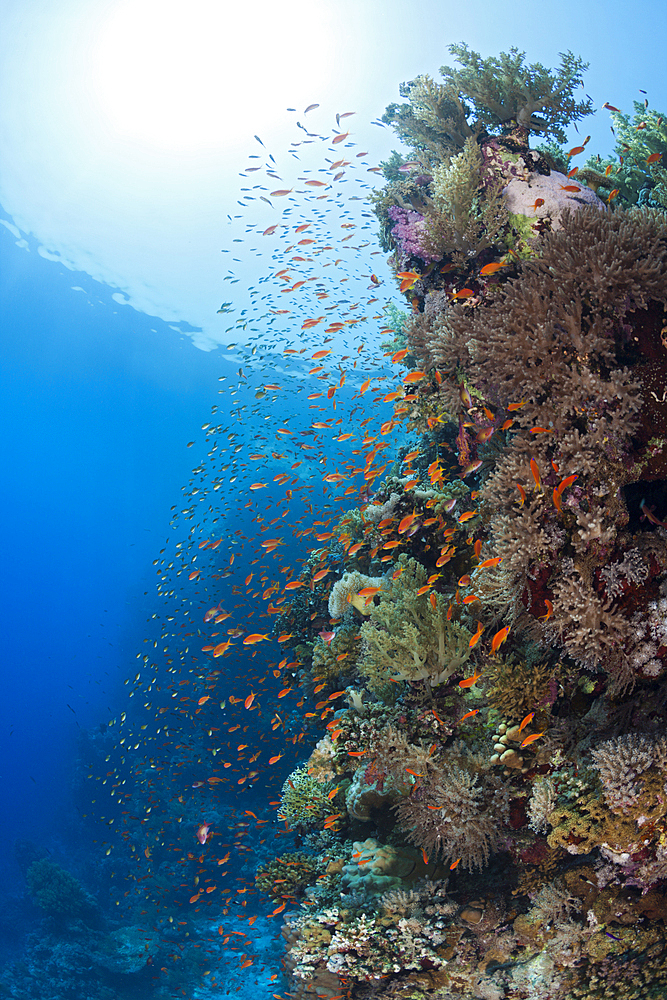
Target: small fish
(475,639)
(311,107)
(469,681)
(516,406)
(424,856)
(570,187)
(530,739)
(575,151)
(610,107)
(563,485)
(250,640)
(537,203)
(463,293)
(522,494)
(613,194)
(550,610)
(557,503)
(202,833)
(491,268)
(469,715)
(499,638)
(534,468)
(473,467)
(408,279)
(525,722)
(490,563)
(274,760)
(454,864)
(465,396)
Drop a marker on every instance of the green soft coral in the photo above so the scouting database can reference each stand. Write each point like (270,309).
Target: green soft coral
(408,639)
(462,223)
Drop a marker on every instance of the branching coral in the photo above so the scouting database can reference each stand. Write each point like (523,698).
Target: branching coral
(621,762)
(504,91)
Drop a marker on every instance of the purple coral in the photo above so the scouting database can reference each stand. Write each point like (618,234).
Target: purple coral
(409,232)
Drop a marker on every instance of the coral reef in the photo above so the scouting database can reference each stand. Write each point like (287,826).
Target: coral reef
(491,794)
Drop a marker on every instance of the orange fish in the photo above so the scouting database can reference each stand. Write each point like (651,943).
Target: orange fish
(249,700)
(320,575)
(499,638)
(566,482)
(570,187)
(463,293)
(202,834)
(522,494)
(466,516)
(475,638)
(530,739)
(415,376)
(550,610)
(469,715)
(534,468)
(525,722)
(469,681)
(203,700)
(488,563)
(454,864)
(653,158)
(406,522)
(516,406)
(250,640)
(408,279)
(274,760)
(491,268)
(424,856)
(613,194)
(575,151)
(557,504)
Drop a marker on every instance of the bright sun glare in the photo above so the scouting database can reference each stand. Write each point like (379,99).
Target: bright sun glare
(188,76)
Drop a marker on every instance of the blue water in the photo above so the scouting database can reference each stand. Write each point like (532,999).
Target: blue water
(105,407)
